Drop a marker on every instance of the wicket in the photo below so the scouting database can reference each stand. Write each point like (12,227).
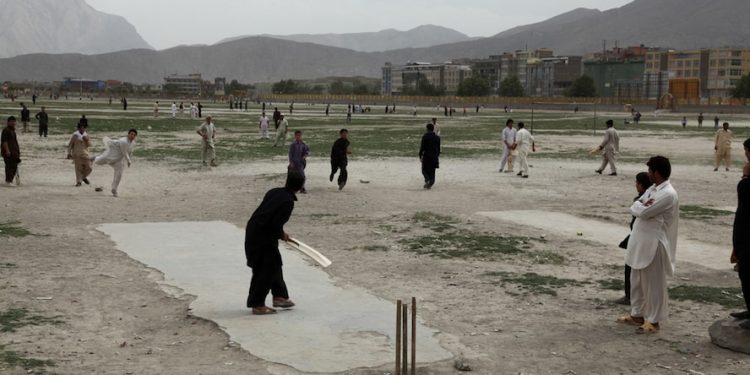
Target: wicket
(402,337)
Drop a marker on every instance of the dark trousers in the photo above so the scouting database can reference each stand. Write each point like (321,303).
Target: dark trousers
(266,277)
(340,164)
(43,130)
(428,171)
(11,168)
(743,268)
(627,282)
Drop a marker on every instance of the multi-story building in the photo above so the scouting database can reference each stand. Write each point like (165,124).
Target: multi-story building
(399,78)
(490,69)
(725,68)
(619,72)
(517,64)
(551,76)
(184,85)
(693,74)
(656,75)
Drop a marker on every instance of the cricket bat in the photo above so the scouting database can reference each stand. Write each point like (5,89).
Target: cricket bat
(594,150)
(310,252)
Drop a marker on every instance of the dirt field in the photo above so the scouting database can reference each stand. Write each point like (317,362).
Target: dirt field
(513,299)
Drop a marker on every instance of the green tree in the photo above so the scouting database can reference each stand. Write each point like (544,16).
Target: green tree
(475,85)
(742,88)
(422,86)
(285,87)
(337,87)
(511,87)
(583,87)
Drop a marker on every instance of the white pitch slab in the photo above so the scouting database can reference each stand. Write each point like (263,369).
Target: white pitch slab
(700,253)
(332,329)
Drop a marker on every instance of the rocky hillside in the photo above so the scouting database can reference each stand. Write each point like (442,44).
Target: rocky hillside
(62,26)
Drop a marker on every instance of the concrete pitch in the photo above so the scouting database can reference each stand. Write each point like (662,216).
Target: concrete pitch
(332,329)
(700,253)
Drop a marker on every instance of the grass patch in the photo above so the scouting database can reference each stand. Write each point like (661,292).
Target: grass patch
(533,283)
(727,297)
(11,359)
(612,284)
(701,213)
(11,230)
(8,265)
(435,222)
(466,245)
(375,248)
(16,318)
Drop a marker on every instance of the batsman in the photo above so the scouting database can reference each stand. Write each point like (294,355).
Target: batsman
(262,234)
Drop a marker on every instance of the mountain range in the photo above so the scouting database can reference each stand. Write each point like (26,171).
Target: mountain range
(384,40)
(678,24)
(60,26)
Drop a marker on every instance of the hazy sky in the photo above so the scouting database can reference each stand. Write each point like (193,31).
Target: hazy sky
(167,23)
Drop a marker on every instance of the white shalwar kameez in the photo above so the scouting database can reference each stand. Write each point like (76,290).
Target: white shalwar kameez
(117,155)
(652,251)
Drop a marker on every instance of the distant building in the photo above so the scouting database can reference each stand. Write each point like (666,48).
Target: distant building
(694,74)
(82,85)
(490,69)
(516,64)
(618,72)
(183,85)
(397,79)
(220,84)
(551,76)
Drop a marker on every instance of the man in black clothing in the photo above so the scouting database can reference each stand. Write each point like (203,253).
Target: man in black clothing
(200,110)
(741,238)
(262,234)
(10,151)
(276,117)
(339,158)
(43,122)
(124,104)
(25,117)
(429,154)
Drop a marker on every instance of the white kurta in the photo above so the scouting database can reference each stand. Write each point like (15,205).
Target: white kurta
(509,139)
(652,251)
(264,127)
(524,140)
(117,154)
(655,223)
(117,151)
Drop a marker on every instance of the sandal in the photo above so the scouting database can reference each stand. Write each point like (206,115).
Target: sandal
(283,303)
(263,310)
(647,328)
(631,320)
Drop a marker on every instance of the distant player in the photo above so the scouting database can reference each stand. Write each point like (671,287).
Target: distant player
(340,158)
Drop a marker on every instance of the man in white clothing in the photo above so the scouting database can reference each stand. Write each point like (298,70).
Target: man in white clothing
(509,143)
(263,126)
(524,143)
(118,153)
(207,131)
(652,248)
(610,147)
(281,131)
(174,109)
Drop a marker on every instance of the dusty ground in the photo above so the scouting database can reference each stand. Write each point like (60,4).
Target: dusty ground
(114,319)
